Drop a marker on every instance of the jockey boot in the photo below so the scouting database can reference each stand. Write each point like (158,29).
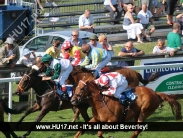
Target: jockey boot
(60,93)
(123,99)
(65,96)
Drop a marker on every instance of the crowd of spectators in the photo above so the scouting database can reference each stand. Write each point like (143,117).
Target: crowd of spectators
(71,48)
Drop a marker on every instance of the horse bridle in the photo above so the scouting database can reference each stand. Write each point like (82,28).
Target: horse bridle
(103,100)
(28,84)
(84,90)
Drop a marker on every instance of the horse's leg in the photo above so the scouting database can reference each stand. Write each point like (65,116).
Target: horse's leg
(44,111)
(80,132)
(76,114)
(35,108)
(83,110)
(7,134)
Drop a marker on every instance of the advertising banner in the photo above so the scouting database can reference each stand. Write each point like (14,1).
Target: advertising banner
(170,80)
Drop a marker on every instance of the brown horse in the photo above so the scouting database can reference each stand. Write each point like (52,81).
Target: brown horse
(103,108)
(132,76)
(4,108)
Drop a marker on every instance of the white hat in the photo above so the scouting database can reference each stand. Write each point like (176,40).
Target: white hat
(9,40)
(26,52)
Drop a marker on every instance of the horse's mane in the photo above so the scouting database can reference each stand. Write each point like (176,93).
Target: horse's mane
(77,69)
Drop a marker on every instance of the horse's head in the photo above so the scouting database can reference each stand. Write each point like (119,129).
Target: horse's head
(80,92)
(84,90)
(29,78)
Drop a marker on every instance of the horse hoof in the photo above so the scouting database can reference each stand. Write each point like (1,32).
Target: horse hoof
(110,137)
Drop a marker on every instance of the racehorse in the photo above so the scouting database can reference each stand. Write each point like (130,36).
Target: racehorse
(46,97)
(103,108)
(4,108)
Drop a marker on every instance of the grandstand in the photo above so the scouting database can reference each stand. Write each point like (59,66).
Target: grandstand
(67,14)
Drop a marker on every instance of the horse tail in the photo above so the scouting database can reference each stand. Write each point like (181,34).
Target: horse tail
(175,105)
(153,77)
(13,111)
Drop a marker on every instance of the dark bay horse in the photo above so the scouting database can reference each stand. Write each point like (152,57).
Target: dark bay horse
(6,109)
(103,108)
(47,99)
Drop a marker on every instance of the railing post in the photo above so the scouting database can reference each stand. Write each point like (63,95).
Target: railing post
(10,96)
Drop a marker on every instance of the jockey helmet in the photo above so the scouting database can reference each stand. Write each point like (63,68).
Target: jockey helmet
(85,48)
(66,45)
(103,80)
(46,58)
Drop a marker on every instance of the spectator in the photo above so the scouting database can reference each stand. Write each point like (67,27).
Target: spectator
(145,18)
(94,42)
(105,44)
(133,29)
(9,55)
(40,5)
(86,22)
(26,60)
(148,3)
(131,51)
(179,17)
(124,4)
(181,2)
(170,8)
(53,50)
(74,39)
(174,40)
(112,7)
(47,4)
(161,48)
(160,6)
(50,4)
(73,52)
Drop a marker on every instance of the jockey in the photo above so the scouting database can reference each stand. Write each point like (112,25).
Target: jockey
(62,68)
(97,56)
(68,50)
(115,82)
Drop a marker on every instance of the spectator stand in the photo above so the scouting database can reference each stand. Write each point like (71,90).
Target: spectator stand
(68,12)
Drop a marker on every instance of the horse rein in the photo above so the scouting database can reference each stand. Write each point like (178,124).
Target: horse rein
(103,100)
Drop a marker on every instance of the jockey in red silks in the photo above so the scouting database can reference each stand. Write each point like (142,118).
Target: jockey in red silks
(68,50)
(115,82)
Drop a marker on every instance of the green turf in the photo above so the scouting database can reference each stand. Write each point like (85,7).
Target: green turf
(160,115)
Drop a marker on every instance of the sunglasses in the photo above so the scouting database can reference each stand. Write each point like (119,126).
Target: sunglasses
(74,35)
(85,51)
(92,39)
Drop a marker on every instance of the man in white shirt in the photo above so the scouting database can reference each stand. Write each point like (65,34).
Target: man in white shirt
(112,7)
(145,18)
(86,22)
